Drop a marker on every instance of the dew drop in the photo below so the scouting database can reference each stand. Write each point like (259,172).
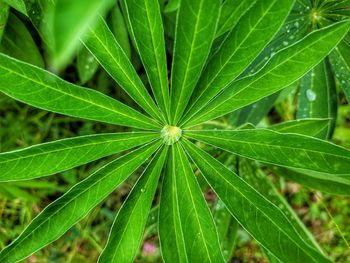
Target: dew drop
(310,95)
(285,43)
(143,190)
(296,24)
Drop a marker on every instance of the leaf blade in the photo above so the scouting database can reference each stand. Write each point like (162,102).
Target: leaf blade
(126,233)
(277,74)
(240,47)
(288,150)
(61,155)
(101,42)
(147,29)
(51,93)
(239,198)
(196,25)
(75,204)
(197,225)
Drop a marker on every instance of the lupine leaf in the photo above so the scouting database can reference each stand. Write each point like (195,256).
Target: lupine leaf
(17,42)
(44,90)
(198,230)
(120,29)
(261,183)
(87,65)
(69,22)
(318,96)
(231,12)
(4,12)
(239,48)
(53,157)
(66,211)
(262,219)
(103,45)
(340,58)
(195,30)
(126,234)
(288,150)
(147,29)
(323,182)
(283,69)
(310,127)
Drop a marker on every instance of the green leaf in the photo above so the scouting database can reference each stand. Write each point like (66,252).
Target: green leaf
(262,219)
(231,13)
(323,182)
(49,92)
(310,127)
(256,178)
(66,211)
(53,157)
(340,59)
(17,42)
(103,45)
(4,12)
(70,20)
(283,69)
(195,30)
(148,33)
(227,228)
(87,65)
(185,222)
(126,234)
(239,48)
(318,96)
(120,30)
(288,150)
(19,5)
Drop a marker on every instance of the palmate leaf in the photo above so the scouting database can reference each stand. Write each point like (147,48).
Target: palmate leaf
(262,219)
(126,234)
(103,45)
(186,228)
(44,90)
(288,150)
(53,157)
(66,211)
(318,96)
(283,69)
(147,29)
(195,30)
(239,48)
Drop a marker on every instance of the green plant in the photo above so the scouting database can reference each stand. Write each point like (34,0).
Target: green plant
(213,61)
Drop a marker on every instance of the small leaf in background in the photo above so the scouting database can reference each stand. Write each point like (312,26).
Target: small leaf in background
(17,42)
(69,20)
(4,12)
(318,97)
(87,65)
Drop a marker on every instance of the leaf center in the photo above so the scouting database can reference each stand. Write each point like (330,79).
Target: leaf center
(170,134)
